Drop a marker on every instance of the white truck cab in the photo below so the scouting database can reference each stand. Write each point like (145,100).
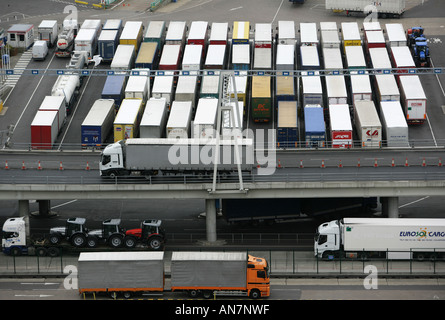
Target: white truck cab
(327,239)
(14,234)
(111,160)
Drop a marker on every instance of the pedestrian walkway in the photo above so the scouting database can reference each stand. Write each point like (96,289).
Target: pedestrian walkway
(20,66)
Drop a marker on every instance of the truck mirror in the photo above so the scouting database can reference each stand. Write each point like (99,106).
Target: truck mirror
(261,274)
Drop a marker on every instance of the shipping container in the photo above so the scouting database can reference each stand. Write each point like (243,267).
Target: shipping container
(155,32)
(241,32)
(55,103)
(308,34)
(263,35)
(154,118)
(92,24)
(86,40)
(44,129)
(367,124)
(360,87)
(314,126)
(413,99)
(218,33)
(287,124)
(396,35)
(97,125)
(309,59)
(311,89)
(171,57)
(262,58)
(178,124)
(123,57)
(107,44)
(204,123)
(147,57)
(285,60)
(199,33)
(114,89)
(163,88)
(176,33)
(332,59)
(261,102)
(48,31)
(216,57)
(233,129)
(284,88)
(386,88)
(186,89)
(328,25)
(192,57)
(241,57)
(395,128)
(371,26)
(330,39)
(402,59)
(132,34)
(355,58)
(350,34)
(138,87)
(336,90)
(375,39)
(286,32)
(126,123)
(340,126)
(380,59)
(113,24)
(209,86)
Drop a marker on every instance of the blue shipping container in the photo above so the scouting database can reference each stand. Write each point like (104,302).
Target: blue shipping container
(315,129)
(287,124)
(107,44)
(114,89)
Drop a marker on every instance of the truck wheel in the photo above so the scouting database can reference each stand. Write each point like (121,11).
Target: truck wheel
(53,252)
(155,243)
(255,294)
(193,293)
(54,238)
(91,242)
(16,252)
(78,240)
(127,295)
(129,242)
(115,241)
(207,294)
(41,252)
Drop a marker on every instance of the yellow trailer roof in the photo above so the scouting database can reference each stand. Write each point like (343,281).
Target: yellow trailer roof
(261,86)
(241,30)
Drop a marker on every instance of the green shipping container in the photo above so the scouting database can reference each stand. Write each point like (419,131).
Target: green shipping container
(261,103)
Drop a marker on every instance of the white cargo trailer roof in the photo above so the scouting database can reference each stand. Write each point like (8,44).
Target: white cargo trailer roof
(47,24)
(367,114)
(263,32)
(44,118)
(262,58)
(285,54)
(387,84)
(186,84)
(192,55)
(154,112)
(286,30)
(91,24)
(163,84)
(309,56)
(122,56)
(206,111)
(198,30)
(137,84)
(219,31)
(375,36)
(355,57)
(328,25)
(241,53)
(112,24)
(393,113)
(98,112)
(215,55)
(360,83)
(131,30)
(121,256)
(108,35)
(311,84)
(380,58)
(170,54)
(175,31)
(336,86)
(330,37)
(395,32)
(85,35)
(412,87)
(371,26)
(394,222)
(308,32)
(155,29)
(332,58)
(179,114)
(128,111)
(52,102)
(350,31)
(340,117)
(402,57)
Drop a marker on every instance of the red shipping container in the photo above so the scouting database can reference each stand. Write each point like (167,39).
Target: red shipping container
(44,129)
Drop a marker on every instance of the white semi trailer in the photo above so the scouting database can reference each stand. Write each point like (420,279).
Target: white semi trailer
(365,238)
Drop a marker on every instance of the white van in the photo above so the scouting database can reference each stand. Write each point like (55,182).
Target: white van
(39,50)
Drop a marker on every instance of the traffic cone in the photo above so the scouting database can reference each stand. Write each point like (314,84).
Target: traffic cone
(392,163)
(279,164)
(440,162)
(340,165)
(6,165)
(88,166)
(358,163)
(61,166)
(375,163)
(322,164)
(39,167)
(23,165)
(301,164)
(423,163)
(406,163)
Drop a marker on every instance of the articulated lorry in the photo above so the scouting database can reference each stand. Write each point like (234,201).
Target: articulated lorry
(74,236)
(197,273)
(383,8)
(365,238)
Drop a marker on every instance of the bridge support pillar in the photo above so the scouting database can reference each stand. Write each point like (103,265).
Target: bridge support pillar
(390,206)
(211,220)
